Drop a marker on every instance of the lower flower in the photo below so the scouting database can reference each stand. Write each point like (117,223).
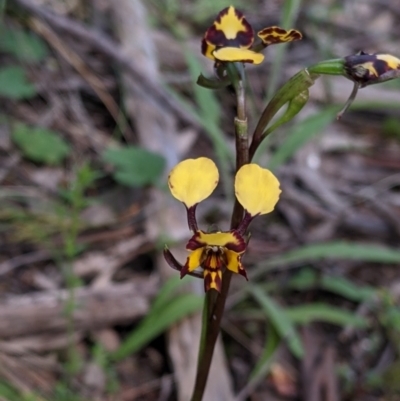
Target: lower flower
(193,180)
(215,252)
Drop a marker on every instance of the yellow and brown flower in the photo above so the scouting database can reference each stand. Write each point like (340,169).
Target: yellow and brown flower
(192,181)
(367,69)
(231,37)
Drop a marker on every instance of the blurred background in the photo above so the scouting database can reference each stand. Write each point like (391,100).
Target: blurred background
(98,102)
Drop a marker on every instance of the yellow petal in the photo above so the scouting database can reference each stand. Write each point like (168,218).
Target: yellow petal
(237,54)
(232,261)
(193,260)
(228,239)
(257,189)
(193,180)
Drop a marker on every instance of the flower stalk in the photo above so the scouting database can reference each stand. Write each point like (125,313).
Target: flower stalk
(214,304)
(230,42)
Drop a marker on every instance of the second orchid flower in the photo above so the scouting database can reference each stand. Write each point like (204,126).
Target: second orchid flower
(231,38)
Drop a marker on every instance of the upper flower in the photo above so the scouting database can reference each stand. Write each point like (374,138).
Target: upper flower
(230,38)
(192,181)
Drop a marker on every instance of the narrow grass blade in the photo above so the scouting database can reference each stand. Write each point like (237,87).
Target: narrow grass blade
(271,345)
(157,321)
(304,314)
(300,134)
(335,250)
(308,279)
(279,319)
(166,293)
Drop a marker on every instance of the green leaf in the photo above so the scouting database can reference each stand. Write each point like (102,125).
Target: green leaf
(300,134)
(297,84)
(279,319)
(134,166)
(14,84)
(309,279)
(167,291)
(39,144)
(304,314)
(8,392)
(331,250)
(157,321)
(24,45)
(347,289)
(295,105)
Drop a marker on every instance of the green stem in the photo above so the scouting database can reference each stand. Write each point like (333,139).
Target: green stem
(215,302)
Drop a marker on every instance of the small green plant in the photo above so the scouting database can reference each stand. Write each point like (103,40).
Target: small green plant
(128,163)
(39,144)
(166,309)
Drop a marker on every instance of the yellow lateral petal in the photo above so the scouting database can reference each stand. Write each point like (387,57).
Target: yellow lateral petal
(237,54)
(194,260)
(257,189)
(232,261)
(193,180)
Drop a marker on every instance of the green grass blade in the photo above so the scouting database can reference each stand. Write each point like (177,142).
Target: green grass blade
(300,134)
(166,292)
(264,363)
(8,393)
(304,314)
(308,279)
(157,321)
(345,288)
(279,319)
(335,250)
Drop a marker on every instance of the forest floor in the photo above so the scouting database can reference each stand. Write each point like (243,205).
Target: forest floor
(98,102)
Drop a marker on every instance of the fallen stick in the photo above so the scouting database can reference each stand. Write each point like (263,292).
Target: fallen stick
(25,315)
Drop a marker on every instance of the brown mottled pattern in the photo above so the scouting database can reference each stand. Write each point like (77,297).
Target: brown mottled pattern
(208,281)
(242,270)
(213,260)
(358,69)
(240,246)
(195,242)
(217,37)
(275,34)
(204,47)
